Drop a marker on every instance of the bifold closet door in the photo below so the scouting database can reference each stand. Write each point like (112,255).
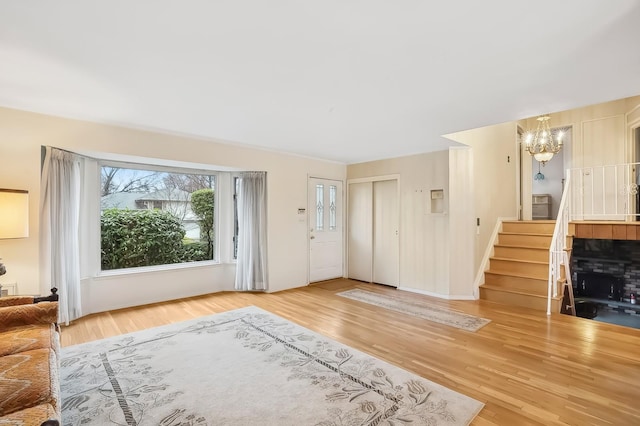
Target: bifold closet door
(373,232)
(360,235)
(385,232)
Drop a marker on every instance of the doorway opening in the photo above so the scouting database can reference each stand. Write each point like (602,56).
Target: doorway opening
(546,181)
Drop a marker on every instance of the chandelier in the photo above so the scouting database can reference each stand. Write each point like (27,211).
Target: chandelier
(542,144)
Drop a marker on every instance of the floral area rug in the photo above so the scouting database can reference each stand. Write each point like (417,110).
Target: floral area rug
(245,367)
(418,309)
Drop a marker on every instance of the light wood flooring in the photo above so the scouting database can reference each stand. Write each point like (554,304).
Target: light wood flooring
(529,369)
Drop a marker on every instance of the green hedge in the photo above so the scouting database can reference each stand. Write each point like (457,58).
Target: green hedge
(195,252)
(202,204)
(132,238)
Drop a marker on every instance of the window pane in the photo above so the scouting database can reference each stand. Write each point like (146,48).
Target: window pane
(319,207)
(151,217)
(332,208)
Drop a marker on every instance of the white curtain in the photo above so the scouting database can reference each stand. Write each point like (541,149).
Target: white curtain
(59,214)
(251,268)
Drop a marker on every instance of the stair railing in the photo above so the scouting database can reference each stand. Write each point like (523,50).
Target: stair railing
(557,250)
(607,192)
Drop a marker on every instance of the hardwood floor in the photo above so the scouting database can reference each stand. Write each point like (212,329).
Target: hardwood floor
(529,369)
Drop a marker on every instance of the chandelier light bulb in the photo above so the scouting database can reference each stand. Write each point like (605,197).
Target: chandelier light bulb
(528,138)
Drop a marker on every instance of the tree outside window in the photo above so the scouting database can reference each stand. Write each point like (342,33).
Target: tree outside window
(155,217)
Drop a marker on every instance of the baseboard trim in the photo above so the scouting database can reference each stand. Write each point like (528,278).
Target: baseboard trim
(438,295)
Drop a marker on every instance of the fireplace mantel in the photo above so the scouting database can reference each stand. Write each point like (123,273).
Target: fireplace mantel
(605,230)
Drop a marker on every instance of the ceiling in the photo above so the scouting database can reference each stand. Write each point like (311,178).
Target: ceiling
(342,80)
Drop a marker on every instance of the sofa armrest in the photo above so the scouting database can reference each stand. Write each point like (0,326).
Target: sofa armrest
(15,301)
(26,300)
(53,297)
(41,313)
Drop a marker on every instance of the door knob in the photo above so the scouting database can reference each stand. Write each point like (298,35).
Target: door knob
(312,237)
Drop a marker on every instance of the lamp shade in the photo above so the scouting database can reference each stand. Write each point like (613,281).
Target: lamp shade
(14,213)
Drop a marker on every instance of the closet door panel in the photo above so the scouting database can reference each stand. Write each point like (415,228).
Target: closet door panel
(360,231)
(385,232)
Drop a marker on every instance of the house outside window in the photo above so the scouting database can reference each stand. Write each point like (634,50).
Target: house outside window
(156,216)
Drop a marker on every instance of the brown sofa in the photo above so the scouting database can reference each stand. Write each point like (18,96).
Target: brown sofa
(29,351)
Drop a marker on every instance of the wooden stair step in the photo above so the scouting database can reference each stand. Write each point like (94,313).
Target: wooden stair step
(515,275)
(537,226)
(529,239)
(522,252)
(515,291)
(524,234)
(521,246)
(531,268)
(518,298)
(526,284)
(520,274)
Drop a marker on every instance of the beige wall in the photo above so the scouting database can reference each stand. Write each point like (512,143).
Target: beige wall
(495,184)
(425,238)
(633,110)
(23,133)
(617,147)
(462,229)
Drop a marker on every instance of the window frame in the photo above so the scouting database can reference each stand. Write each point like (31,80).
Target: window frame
(163,169)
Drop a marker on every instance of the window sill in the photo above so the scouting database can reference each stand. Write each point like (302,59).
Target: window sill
(158,268)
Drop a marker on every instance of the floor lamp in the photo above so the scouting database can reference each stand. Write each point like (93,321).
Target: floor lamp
(14,217)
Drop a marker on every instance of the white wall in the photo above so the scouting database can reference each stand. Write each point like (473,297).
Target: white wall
(23,133)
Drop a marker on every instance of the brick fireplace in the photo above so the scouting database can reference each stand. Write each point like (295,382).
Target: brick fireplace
(607,271)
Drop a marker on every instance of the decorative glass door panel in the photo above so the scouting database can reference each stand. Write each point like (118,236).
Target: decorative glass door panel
(325,230)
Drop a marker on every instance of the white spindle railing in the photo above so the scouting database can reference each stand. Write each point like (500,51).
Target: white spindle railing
(604,192)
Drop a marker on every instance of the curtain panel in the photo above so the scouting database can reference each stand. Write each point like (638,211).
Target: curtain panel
(59,230)
(251,267)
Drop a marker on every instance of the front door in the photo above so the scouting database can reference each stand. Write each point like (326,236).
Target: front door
(325,229)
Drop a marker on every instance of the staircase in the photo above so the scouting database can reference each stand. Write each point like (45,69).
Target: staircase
(518,271)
